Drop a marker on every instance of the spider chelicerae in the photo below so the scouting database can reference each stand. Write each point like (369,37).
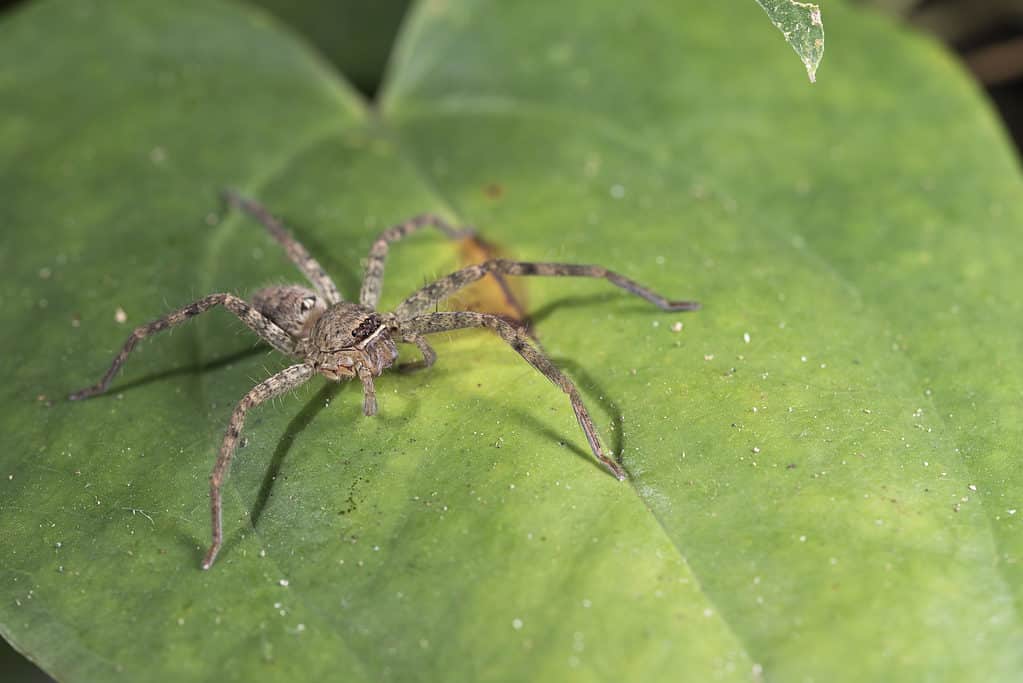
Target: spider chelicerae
(343,340)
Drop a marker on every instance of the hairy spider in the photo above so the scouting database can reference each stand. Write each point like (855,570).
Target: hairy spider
(342,340)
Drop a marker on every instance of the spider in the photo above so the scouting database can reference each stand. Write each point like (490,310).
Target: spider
(343,340)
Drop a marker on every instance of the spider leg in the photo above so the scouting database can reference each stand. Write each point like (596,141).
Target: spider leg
(422,300)
(369,392)
(372,282)
(429,355)
(283,381)
(256,321)
(298,254)
(517,339)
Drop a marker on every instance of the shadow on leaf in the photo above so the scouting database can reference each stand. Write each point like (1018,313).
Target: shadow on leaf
(305,416)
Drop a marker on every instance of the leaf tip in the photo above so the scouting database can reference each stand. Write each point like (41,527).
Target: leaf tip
(803,28)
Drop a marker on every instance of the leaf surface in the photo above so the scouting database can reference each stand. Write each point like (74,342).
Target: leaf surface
(823,459)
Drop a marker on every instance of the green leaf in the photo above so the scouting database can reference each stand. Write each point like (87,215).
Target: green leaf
(824,472)
(354,35)
(800,23)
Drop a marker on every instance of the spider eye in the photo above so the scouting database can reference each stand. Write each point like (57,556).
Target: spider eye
(307,303)
(366,327)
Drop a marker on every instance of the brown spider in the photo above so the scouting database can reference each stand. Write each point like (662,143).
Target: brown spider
(342,340)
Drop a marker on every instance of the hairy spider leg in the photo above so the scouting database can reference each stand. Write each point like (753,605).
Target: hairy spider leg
(423,299)
(298,254)
(429,355)
(373,280)
(282,382)
(517,339)
(263,326)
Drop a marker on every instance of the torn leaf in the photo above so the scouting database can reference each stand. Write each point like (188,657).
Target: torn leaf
(800,23)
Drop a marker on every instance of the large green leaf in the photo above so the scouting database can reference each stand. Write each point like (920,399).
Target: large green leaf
(824,474)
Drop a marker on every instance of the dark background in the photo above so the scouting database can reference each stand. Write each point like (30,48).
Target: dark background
(986,34)
(356,35)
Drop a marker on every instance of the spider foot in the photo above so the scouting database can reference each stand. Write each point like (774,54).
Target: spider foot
(87,392)
(683,306)
(615,469)
(231,198)
(369,406)
(211,555)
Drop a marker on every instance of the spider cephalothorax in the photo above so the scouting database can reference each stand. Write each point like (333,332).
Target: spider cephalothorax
(348,341)
(342,340)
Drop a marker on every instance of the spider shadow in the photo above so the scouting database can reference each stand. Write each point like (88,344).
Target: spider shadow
(591,390)
(303,419)
(319,401)
(583,301)
(194,369)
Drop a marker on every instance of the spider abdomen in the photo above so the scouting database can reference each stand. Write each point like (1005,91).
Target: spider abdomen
(295,309)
